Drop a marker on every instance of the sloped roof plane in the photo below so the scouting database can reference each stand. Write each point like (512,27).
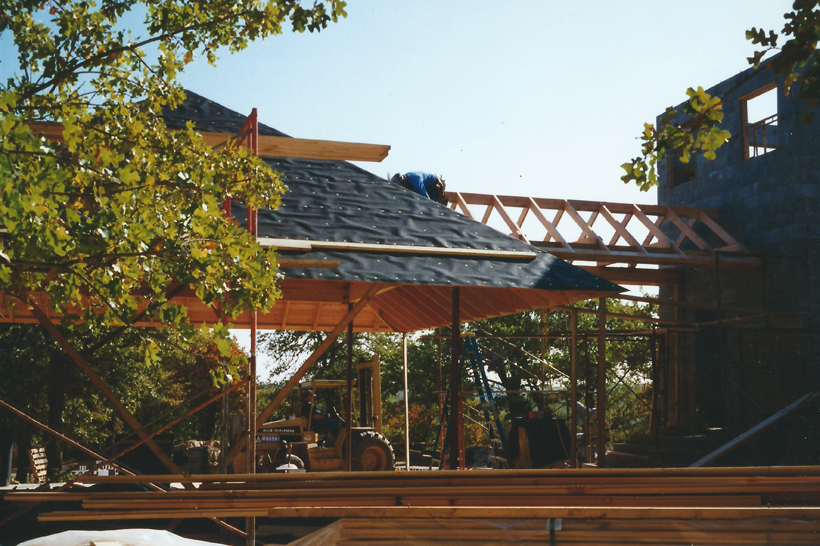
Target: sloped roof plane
(345,221)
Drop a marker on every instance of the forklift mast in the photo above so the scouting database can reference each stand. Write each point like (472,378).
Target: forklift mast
(370,394)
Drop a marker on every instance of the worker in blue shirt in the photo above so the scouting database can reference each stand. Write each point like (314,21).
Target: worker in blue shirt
(424,184)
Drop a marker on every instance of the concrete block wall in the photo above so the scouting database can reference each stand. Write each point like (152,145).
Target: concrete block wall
(771,204)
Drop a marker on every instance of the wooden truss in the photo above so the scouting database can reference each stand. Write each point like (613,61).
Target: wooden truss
(628,235)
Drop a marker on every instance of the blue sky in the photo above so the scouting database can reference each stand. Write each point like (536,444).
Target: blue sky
(539,98)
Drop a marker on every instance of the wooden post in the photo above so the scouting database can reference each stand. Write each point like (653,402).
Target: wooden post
(573,392)
(456,440)
(406,403)
(348,445)
(601,409)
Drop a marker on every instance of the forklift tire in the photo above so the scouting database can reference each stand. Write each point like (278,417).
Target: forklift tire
(372,453)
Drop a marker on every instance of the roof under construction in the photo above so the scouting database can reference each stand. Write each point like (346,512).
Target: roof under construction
(342,224)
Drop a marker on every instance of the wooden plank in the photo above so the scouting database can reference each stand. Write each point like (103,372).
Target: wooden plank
(755,430)
(268,146)
(287,263)
(656,231)
(473,498)
(728,475)
(286,245)
(552,512)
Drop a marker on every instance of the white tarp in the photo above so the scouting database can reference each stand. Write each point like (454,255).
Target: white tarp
(125,537)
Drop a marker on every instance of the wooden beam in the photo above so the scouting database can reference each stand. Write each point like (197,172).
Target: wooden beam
(268,146)
(286,245)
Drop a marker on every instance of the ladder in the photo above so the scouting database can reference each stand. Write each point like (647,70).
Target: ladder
(498,440)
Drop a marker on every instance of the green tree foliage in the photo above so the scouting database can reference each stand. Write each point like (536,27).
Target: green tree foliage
(123,208)
(701,132)
(522,361)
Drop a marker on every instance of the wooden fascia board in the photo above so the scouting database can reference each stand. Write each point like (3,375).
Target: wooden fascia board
(269,146)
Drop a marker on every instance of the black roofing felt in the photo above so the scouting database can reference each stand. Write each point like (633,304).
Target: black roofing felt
(338,201)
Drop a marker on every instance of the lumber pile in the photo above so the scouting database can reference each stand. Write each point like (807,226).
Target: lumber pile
(369,532)
(776,505)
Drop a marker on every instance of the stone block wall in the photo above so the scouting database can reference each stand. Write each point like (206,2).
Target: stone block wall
(729,377)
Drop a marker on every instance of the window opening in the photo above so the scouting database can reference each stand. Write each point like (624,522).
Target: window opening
(680,172)
(760,121)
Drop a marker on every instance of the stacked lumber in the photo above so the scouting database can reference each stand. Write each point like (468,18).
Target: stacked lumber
(779,505)
(369,532)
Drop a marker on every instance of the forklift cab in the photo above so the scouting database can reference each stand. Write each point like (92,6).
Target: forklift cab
(317,439)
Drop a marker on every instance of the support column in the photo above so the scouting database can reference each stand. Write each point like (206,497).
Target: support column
(456,440)
(348,445)
(601,409)
(406,403)
(573,389)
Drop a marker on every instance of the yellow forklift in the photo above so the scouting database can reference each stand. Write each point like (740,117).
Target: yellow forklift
(315,441)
